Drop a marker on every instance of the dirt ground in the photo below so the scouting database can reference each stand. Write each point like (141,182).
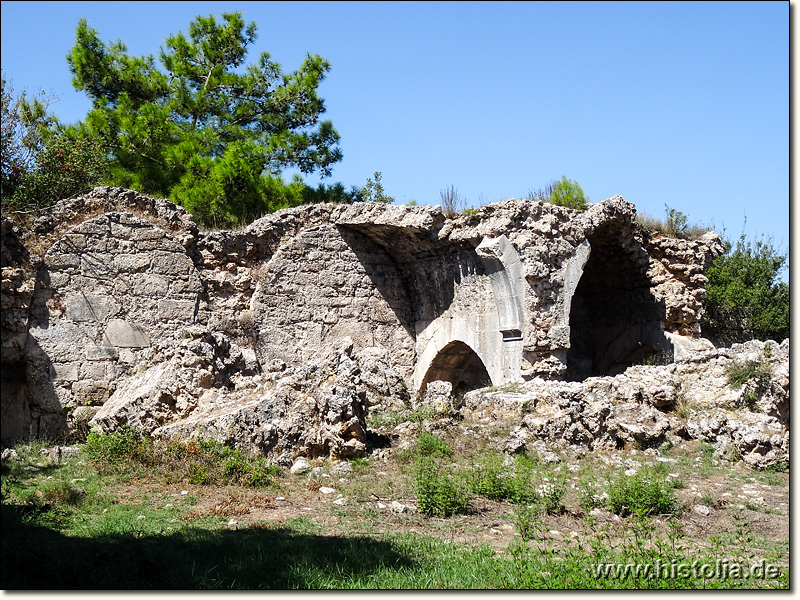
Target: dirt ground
(378,498)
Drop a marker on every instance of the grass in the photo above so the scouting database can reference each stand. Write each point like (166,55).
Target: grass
(675,224)
(129,529)
(202,462)
(740,373)
(643,493)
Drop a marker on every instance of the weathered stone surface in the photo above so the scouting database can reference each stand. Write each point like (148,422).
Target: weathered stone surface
(171,381)
(191,387)
(311,316)
(300,467)
(122,334)
(102,295)
(646,406)
(438,396)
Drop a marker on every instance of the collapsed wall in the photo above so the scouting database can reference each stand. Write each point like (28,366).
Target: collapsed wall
(518,290)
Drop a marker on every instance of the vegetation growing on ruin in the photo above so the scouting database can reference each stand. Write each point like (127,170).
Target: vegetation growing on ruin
(741,373)
(568,193)
(675,224)
(745,296)
(128,452)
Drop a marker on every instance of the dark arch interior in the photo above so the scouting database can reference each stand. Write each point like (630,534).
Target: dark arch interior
(614,319)
(460,365)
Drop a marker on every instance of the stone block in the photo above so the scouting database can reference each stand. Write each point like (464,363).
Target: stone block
(58,279)
(176,310)
(90,307)
(97,265)
(95,352)
(90,392)
(128,356)
(171,263)
(181,287)
(92,370)
(62,261)
(66,371)
(98,226)
(124,334)
(131,262)
(150,285)
(559,336)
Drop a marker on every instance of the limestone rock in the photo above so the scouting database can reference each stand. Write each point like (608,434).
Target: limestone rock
(638,407)
(279,336)
(188,389)
(300,467)
(387,389)
(438,396)
(636,423)
(170,384)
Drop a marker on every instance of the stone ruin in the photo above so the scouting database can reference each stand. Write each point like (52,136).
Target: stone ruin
(281,336)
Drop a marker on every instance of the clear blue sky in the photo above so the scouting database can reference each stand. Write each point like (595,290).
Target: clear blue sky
(684,104)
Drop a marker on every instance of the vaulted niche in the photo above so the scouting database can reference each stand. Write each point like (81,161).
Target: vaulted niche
(460,365)
(614,319)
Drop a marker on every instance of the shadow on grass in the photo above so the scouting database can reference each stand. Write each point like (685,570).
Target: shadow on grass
(36,557)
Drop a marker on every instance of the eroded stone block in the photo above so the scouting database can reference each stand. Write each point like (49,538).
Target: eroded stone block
(124,334)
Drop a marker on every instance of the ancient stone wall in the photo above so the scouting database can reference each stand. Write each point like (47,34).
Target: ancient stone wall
(100,284)
(326,283)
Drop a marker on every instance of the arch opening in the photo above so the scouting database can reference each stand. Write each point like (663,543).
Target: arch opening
(614,319)
(460,365)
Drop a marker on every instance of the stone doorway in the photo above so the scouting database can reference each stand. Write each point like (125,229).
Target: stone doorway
(460,365)
(614,319)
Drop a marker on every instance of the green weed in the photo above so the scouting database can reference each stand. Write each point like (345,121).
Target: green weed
(439,492)
(642,493)
(741,373)
(429,444)
(201,462)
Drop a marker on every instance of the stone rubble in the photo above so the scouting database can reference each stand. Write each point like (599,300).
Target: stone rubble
(639,408)
(282,336)
(317,410)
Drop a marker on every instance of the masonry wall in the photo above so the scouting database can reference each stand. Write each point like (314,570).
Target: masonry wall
(519,290)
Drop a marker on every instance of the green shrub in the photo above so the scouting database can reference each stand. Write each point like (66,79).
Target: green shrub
(521,483)
(439,493)
(590,495)
(676,224)
(373,191)
(741,373)
(745,300)
(642,493)
(201,462)
(429,444)
(261,474)
(493,480)
(778,467)
(526,518)
(550,492)
(568,193)
(119,446)
(198,474)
